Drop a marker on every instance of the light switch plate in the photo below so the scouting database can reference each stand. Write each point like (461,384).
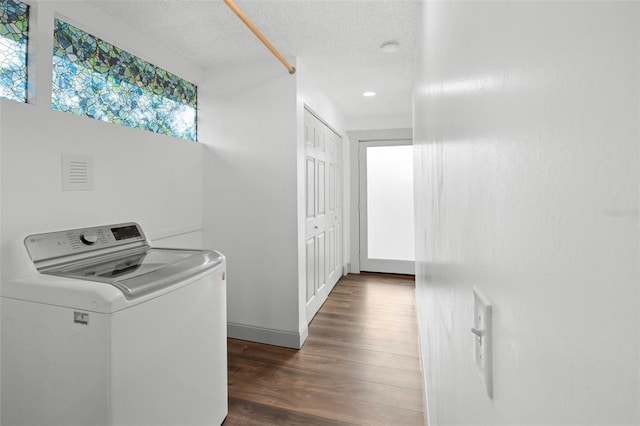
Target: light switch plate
(482,337)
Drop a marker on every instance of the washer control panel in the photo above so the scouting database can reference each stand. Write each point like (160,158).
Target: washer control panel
(76,241)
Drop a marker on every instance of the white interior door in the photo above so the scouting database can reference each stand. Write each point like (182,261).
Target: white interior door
(323,235)
(387,239)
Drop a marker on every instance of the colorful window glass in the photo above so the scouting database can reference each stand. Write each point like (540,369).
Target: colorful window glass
(14,32)
(94,78)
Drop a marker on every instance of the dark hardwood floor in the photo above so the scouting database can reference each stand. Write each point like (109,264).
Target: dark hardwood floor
(359,366)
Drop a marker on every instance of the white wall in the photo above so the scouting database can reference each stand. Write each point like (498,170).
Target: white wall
(250,195)
(253,129)
(312,94)
(526,126)
(1,103)
(140,176)
(379,122)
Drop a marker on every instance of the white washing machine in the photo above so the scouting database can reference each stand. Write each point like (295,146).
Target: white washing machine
(111,331)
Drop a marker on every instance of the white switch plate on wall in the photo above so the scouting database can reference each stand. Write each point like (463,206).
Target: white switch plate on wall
(482,337)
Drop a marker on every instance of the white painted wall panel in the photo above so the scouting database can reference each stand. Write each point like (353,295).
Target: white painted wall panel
(189,238)
(311,268)
(379,122)
(310,194)
(249,126)
(526,128)
(321,241)
(321,193)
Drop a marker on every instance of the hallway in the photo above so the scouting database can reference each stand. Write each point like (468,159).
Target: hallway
(360,364)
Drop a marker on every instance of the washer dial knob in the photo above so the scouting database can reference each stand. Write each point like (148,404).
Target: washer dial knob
(89,239)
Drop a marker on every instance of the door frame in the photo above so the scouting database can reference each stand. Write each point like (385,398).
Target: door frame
(365,263)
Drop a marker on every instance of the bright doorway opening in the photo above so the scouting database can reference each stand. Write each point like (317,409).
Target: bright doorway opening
(387,236)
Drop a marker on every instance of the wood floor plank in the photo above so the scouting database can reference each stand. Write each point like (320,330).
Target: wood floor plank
(360,364)
(381,345)
(319,404)
(349,308)
(400,325)
(327,365)
(257,372)
(404,323)
(250,413)
(365,332)
(364,356)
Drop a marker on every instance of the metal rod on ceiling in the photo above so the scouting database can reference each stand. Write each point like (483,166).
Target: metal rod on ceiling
(258,34)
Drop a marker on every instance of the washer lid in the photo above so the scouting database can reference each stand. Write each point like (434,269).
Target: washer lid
(139,272)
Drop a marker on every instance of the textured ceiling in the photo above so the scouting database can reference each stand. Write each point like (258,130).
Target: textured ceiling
(338,40)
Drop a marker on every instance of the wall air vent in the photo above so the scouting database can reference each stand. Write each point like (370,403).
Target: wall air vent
(77,172)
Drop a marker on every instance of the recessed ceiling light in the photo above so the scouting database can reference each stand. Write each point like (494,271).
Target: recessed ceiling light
(369,94)
(390,47)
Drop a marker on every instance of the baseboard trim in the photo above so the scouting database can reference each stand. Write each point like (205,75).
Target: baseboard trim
(348,269)
(268,336)
(422,344)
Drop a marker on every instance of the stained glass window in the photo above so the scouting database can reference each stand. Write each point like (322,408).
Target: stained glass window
(14,28)
(94,78)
